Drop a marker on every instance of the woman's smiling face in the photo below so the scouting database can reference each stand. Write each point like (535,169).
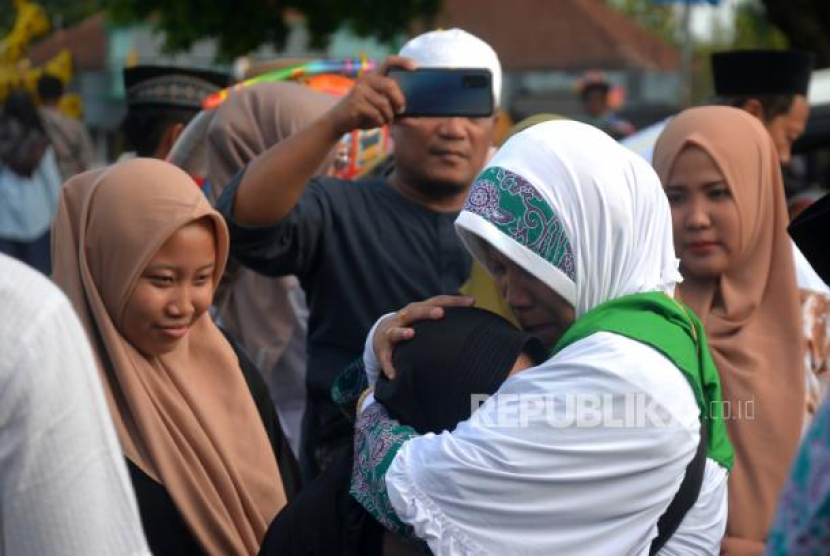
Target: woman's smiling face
(173,291)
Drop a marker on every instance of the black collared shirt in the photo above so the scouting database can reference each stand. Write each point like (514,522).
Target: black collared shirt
(360,250)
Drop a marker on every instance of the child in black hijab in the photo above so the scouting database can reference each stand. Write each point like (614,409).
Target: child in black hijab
(447,365)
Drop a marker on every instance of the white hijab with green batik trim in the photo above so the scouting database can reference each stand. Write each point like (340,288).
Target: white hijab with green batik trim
(591,223)
(589,219)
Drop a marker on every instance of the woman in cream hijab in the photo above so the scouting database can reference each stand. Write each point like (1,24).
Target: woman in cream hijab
(268,315)
(723,181)
(138,250)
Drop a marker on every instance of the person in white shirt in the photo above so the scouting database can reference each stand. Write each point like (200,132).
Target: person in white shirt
(30,183)
(64,487)
(576,231)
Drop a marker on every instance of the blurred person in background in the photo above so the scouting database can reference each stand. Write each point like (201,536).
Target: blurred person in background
(769,84)
(268,315)
(30,182)
(594,94)
(161,101)
(69,137)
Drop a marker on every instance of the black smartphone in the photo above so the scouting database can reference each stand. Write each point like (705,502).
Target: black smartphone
(445,92)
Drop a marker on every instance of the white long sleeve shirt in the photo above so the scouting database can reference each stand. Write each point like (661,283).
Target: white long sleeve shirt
(534,489)
(64,487)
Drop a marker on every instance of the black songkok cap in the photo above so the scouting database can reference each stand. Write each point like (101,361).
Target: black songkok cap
(469,351)
(761,72)
(173,87)
(811,232)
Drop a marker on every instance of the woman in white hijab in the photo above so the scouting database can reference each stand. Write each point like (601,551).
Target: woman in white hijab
(584,453)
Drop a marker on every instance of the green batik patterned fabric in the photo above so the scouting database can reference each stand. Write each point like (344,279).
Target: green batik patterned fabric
(378,438)
(512,204)
(802,524)
(347,387)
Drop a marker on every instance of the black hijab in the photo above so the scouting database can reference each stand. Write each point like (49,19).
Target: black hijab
(469,351)
(811,232)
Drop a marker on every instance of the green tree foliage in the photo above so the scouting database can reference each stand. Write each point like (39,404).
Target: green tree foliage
(659,19)
(806,23)
(63,13)
(240,26)
(752,29)
(69,12)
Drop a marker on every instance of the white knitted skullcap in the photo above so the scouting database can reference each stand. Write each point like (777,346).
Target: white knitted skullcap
(454,48)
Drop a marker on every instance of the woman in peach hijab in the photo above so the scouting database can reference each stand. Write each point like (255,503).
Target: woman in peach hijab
(722,177)
(138,250)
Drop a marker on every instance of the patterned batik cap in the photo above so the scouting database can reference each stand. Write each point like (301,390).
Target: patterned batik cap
(171,86)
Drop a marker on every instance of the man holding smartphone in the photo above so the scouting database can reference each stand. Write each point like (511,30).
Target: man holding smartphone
(362,249)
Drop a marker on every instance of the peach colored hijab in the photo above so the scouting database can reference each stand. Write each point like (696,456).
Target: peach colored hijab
(751,314)
(186,418)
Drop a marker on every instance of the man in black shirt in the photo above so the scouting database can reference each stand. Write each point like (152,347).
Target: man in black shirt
(362,249)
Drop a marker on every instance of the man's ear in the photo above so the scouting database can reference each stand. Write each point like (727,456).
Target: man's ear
(754,107)
(498,133)
(171,134)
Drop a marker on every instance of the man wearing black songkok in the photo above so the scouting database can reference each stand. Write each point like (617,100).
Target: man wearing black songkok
(161,101)
(769,84)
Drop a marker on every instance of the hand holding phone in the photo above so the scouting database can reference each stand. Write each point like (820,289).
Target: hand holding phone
(373,101)
(445,92)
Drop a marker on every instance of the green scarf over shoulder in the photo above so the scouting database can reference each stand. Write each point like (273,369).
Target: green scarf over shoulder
(672,329)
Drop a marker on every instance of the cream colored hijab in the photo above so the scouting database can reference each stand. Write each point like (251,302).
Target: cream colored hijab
(186,418)
(254,119)
(257,309)
(752,314)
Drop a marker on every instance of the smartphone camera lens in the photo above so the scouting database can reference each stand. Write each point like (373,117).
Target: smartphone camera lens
(474,81)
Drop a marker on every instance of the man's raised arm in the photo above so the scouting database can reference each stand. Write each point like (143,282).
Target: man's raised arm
(274,181)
